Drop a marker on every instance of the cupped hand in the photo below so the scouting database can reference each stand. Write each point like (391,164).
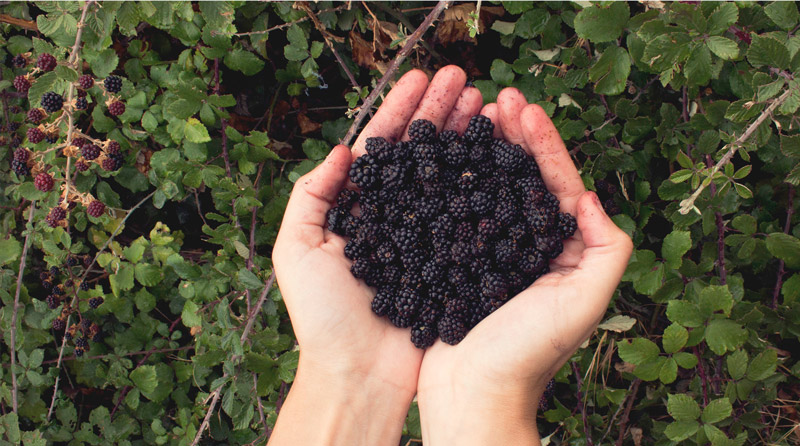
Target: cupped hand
(502,366)
(330,309)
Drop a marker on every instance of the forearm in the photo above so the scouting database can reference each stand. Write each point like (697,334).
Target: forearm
(326,408)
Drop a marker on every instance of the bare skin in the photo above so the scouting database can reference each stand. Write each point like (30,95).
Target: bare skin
(358,373)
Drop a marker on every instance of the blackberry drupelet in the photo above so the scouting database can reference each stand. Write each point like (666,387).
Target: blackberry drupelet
(113,84)
(81,104)
(567,225)
(52,102)
(365,172)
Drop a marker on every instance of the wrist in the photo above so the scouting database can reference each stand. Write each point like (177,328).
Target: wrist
(335,405)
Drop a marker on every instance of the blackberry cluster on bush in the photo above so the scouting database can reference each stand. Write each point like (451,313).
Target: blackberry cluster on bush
(449,227)
(113,84)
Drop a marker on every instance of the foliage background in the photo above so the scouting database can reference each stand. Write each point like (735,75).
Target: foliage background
(228,103)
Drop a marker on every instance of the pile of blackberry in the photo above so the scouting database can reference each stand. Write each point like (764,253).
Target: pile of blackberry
(448,227)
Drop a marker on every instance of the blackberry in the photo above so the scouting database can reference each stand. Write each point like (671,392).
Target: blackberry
(35,135)
(96,208)
(19,61)
(459,208)
(456,154)
(479,130)
(52,302)
(55,216)
(51,137)
(22,84)
(451,329)
(20,168)
(116,108)
(508,157)
(488,228)
(86,81)
(364,172)
(550,245)
(35,115)
(385,253)
(79,351)
(413,260)
(59,324)
(81,342)
(448,136)
(82,93)
(81,104)
(428,209)
(532,262)
(443,226)
(79,142)
(84,286)
(506,251)
(405,238)
(481,203)
(423,335)
(539,220)
(407,302)
(468,180)
(399,320)
(361,268)
(392,176)
(380,149)
(46,62)
(52,102)
(97,337)
(95,302)
(113,147)
(113,162)
(43,182)
(421,130)
(54,271)
(81,165)
(494,285)
(69,283)
(347,198)
(431,272)
(464,231)
(22,155)
(113,84)
(567,225)
(427,171)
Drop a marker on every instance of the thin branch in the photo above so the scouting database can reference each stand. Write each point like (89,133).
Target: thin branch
(632,390)
(30,25)
(75,296)
(286,25)
(781,271)
(223,122)
(260,406)
(723,273)
(688,204)
(140,352)
(5,105)
(326,36)
(245,334)
(15,310)
(624,420)
(410,26)
(401,56)
(582,404)
(703,377)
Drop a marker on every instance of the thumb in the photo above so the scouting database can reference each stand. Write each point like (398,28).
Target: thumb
(607,251)
(313,195)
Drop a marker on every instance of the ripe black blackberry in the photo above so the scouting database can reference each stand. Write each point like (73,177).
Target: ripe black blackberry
(59,324)
(113,162)
(86,81)
(84,286)
(19,61)
(55,216)
(421,130)
(481,203)
(532,262)
(90,152)
(479,130)
(96,208)
(506,251)
(20,168)
(22,84)
(51,137)
(95,302)
(116,108)
(52,102)
(54,271)
(508,157)
(113,84)
(423,335)
(43,182)
(448,136)
(81,165)
(46,62)
(35,135)
(52,301)
(35,115)
(456,153)
(82,342)
(364,172)
(567,225)
(380,149)
(451,329)
(81,104)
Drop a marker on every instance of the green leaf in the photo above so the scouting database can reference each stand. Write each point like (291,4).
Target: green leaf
(763,366)
(770,90)
(531,23)
(685,360)
(791,290)
(785,247)
(715,298)
(784,14)
(316,149)
(724,335)
(717,410)
(618,323)
(638,351)
(723,47)
(675,337)
(768,51)
(684,313)
(675,245)
(104,62)
(145,379)
(683,407)
(250,280)
(10,250)
(189,315)
(294,53)
(698,66)
(611,71)
(195,131)
(502,73)
(244,61)
(148,274)
(725,15)
(790,145)
(737,364)
(122,280)
(297,37)
(669,371)
(602,24)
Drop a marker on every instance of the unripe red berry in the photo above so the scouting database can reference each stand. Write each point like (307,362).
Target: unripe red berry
(46,62)
(96,208)
(35,135)
(43,182)
(116,108)
(86,81)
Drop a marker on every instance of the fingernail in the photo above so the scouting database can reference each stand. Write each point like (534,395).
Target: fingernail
(597,202)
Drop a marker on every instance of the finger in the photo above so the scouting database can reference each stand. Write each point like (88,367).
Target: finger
(606,256)
(510,103)
(313,195)
(394,113)
(440,97)
(491,112)
(469,104)
(545,144)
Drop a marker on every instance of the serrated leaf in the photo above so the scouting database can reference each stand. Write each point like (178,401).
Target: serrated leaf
(10,250)
(189,315)
(244,61)
(148,274)
(683,407)
(675,245)
(698,66)
(241,249)
(680,176)
(791,290)
(611,71)
(768,51)
(770,90)
(763,366)
(602,24)
(723,47)
(724,335)
(195,131)
(674,338)
(685,360)
(684,313)
(638,351)
(784,247)
(790,145)
(717,410)
(145,378)
(784,14)
(618,323)
(737,364)
(725,15)
(249,280)
(669,371)
(715,298)
(122,280)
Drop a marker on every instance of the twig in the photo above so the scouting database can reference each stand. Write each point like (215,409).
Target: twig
(624,420)
(285,25)
(688,204)
(258,403)
(15,310)
(410,26)
(75,296)
(30,25)
(223,122)
(140,352)
(632,390)
(5,105)
(703,377)
(404,52)
(245,334)
(723,274)
(326,36)
(252,244)
(581,403)
(781,271)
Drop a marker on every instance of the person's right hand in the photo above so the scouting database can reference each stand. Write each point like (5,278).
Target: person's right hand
(486,389)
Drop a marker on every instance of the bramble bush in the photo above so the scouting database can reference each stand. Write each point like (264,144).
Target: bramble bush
(142,198)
